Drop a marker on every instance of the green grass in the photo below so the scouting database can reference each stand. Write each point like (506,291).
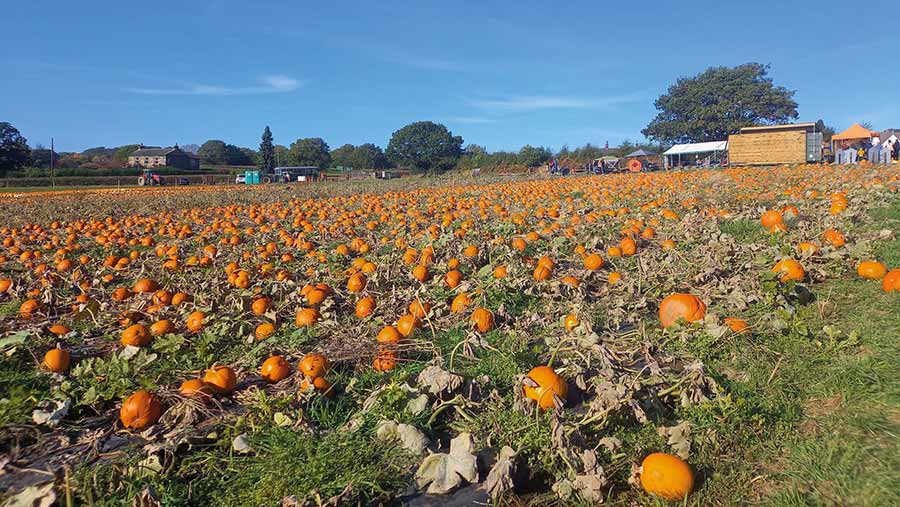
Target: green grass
(283,462)
(821,428)
(20,391)
(742,230)
(889,212)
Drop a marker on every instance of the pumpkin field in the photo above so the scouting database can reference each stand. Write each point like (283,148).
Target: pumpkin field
(706,337)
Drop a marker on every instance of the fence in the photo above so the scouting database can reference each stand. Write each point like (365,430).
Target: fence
(113,181)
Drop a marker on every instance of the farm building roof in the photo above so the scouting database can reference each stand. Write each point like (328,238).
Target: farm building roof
(787,126)
(151,152)
(856,131)
(160,152)
(684,149)
(641,153)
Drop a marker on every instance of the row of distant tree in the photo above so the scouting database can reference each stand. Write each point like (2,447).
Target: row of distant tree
(708,106)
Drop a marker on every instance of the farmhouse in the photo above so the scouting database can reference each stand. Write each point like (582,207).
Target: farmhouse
(164,157)
(775,144)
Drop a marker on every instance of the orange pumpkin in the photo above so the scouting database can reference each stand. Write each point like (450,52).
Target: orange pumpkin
(891,281)
(593,262)
(482,319)
(681,306)
(871,270)
(736,325)
(274,369)
(460,303)
(145,285)
(452,278)
(388,334)
(628,246)
(195,388)
(56,360)
(136,335)
(306,317)
(549,383)
(570,322)
(356,282)
(365,307)
(221,379)
(320,384)
(541,273)
(264,330)
(59,329)
(772,219)
(195,321)
(571,281)
(313,365)
(261,305)
(407,324)
(162,327)
(789,269)
(834,238)
(386,360)
(419,309)
(420,273)
(140,410)
(666,476)
(29,307)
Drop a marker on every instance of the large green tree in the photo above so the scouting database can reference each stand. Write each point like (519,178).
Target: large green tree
(311,151)
(14,151)
(531,156)
(283,156)
(214,152)
(369,156)
(217,152)
(267,151)
(364,156)
(424,146)
(343,156)
(718,102)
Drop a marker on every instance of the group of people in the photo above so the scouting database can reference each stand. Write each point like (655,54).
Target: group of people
(875,152)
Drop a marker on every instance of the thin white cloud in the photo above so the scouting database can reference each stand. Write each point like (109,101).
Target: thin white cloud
(470,119)
(267,84)
(535,103)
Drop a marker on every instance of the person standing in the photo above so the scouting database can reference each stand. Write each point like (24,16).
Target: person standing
(896,149)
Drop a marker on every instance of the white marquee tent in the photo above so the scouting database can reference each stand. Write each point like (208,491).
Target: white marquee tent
(676,154)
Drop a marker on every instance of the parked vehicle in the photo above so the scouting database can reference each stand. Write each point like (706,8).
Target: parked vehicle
(183,181)
(240,179)
(149,178)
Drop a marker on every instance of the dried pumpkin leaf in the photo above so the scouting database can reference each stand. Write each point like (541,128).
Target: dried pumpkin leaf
(443,472)
(678,438)
(500,479)
(438,381)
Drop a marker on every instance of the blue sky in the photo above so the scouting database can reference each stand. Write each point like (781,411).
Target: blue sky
(500,74)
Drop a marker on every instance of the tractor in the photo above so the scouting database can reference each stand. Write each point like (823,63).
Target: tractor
(150,178)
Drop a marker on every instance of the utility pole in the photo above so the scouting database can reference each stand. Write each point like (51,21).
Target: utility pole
(52,179)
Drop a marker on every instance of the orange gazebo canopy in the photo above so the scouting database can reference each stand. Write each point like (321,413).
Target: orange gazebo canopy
(856,131)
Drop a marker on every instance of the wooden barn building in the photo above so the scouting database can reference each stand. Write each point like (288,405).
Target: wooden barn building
(148,157)
(775,144)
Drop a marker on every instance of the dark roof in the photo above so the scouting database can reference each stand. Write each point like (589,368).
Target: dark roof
(788,126)
(151,152)
(161,152)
